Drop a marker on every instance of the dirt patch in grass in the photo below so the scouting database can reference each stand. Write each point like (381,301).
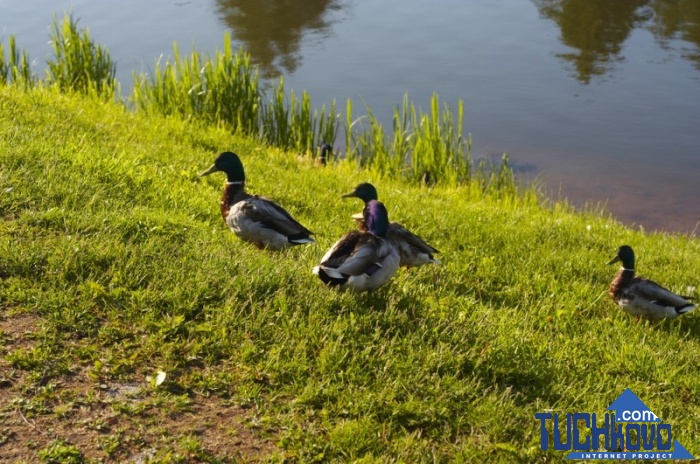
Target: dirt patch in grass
(17,330)
(115,421)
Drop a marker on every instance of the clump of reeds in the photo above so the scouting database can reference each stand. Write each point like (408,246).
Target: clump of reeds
(225,89)
(79,64)
(293,124)
(421,145)
(219,89)
(15,68)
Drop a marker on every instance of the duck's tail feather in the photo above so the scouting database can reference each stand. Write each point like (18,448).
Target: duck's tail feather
(330,276)
(686,308)
(301,240)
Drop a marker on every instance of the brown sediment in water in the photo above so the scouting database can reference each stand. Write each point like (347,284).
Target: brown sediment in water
(649,203)
(652,216)
(655,197)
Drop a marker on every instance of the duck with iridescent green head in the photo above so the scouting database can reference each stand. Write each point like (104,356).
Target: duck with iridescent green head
(362,260)
(326,153)
(641,297)
(414,250)
(253,218)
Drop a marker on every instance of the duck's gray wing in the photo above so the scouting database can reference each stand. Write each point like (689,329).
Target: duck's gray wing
(273,216)
(399,232)
(652,291)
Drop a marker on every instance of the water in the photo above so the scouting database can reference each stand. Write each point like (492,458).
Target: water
(598,100)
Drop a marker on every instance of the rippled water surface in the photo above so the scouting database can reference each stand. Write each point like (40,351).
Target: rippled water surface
(598,99)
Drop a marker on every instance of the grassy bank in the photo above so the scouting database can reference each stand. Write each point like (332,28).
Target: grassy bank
(115,264)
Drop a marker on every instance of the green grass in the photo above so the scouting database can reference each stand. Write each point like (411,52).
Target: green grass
(115,264)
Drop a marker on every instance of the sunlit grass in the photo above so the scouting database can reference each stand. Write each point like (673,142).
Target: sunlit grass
(292,123)
(225,90)
(78,64)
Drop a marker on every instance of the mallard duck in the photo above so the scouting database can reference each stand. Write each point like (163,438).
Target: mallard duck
(641,297)
(253,218)
(318,158)
(362,260)
(413,249)
(326,152)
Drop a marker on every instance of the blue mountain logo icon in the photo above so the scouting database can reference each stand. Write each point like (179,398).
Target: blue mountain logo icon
(679,452)
(629,408)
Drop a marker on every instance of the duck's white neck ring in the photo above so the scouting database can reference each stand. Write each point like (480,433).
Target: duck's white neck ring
(622,268)
(238,182)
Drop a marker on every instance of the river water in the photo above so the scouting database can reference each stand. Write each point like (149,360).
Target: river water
(597,100)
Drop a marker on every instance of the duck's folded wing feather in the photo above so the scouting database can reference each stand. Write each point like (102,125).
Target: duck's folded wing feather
(273,216)
(399,232)
(652,291)
(341,249)
(353,254)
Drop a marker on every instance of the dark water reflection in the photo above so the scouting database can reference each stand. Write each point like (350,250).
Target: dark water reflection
(598,29)
(678,20)
(272,30)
